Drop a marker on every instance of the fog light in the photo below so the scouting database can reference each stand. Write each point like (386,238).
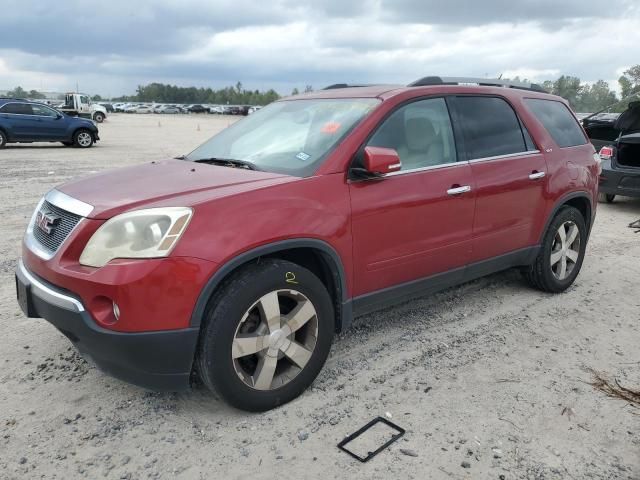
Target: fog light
(116,311)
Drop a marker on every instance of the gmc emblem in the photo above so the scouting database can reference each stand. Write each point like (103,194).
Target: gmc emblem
(47,222)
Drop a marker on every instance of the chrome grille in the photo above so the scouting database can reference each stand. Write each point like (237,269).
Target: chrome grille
(68,221)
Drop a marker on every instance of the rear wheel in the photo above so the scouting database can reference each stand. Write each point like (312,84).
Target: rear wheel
(98,117)
(83,138)
(3,139)
(561,254)
(266,335)
(606,197)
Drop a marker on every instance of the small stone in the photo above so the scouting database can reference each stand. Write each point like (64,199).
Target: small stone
(303,435)
(22,460)
(408,452)
(126,459)
(555,452)
(465,464)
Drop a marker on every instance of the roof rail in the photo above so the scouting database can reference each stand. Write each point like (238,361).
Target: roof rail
(485,82)
(347,85)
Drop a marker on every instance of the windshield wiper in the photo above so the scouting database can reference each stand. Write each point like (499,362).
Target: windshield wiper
(229,162)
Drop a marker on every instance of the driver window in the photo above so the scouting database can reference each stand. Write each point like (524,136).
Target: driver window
(84,99)
(420,132)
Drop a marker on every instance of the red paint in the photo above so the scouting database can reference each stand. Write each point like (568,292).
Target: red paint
(385,232)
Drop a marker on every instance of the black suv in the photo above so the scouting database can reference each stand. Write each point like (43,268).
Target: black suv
(618,137)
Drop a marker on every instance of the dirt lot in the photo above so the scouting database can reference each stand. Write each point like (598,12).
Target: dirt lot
(488,378)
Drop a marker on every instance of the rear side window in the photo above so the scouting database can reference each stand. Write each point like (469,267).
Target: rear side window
(490,127)
(558,121)
(17,108)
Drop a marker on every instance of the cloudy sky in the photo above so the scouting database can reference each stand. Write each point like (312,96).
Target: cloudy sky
(109,47)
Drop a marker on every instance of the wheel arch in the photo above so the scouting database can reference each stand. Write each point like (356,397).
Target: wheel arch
(313,254)
(581,200)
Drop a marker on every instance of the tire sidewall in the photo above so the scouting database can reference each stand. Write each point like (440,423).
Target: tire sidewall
(98,117)
(3,139)
(223,317)
(566,214)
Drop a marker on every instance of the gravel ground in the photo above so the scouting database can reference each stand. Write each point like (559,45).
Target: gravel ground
(488,378)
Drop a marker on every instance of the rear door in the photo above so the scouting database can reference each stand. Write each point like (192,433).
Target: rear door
(416,222)
(509,173)
(20,122)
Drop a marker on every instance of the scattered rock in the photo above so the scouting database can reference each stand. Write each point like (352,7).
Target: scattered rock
(408,452)
(303,435)
(22,460)
(465,464)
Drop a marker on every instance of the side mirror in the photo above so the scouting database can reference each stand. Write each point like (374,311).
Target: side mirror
(378,161)
(59,116)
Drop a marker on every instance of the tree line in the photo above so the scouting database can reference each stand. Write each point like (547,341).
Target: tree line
(583,97)
(236,95)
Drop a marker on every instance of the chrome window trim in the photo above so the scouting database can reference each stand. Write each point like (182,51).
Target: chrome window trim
(424,169)
(508,155)
(70,204)
(46,293)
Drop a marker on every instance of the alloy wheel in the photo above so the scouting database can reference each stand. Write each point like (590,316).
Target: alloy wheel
(275,339)
(565,250)
(84,139)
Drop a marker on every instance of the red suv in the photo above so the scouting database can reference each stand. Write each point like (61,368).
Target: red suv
(241,260)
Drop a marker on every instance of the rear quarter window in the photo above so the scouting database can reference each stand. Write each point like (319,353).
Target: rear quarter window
(558,121)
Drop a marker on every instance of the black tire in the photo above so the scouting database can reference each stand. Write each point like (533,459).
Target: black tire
(3,139)
(540,273)
(99,117)
(81,140)
(214,361)
(606,197)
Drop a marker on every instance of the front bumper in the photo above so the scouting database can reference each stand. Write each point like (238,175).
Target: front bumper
(160,360)
(617,181)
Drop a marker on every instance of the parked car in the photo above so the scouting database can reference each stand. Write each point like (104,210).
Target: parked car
(253,109)
(197,109)
(171,109)
(108,107)
(216,109)
(618,136)
(240,261)
(22,121)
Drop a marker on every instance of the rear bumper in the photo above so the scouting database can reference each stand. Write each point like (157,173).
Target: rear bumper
(154,360)
(614,181)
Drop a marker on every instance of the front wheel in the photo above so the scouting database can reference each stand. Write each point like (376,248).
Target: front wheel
(83,138)
(561,254)
(3,139)
(266,335)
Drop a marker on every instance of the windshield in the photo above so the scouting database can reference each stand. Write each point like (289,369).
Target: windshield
(290,137)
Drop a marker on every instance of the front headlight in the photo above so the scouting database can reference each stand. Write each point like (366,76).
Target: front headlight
(149,233)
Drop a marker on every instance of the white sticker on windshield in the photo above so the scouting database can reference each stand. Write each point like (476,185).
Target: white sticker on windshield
(303,156)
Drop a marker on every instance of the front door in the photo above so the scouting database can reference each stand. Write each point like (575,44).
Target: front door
(509,174)
(51,126)
(416,222)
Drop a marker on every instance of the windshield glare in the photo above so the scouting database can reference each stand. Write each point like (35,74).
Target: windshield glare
(290,137)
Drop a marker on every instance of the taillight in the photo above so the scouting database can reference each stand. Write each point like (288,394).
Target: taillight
(606,153)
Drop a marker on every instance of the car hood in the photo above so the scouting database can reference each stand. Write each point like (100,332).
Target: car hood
(170,182)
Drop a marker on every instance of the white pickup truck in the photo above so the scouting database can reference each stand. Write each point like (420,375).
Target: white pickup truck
(79,104)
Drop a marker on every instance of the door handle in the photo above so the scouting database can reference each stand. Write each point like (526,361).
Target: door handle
(536,175)
(459,190)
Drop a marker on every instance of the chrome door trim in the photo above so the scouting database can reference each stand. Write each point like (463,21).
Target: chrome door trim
(509,155)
